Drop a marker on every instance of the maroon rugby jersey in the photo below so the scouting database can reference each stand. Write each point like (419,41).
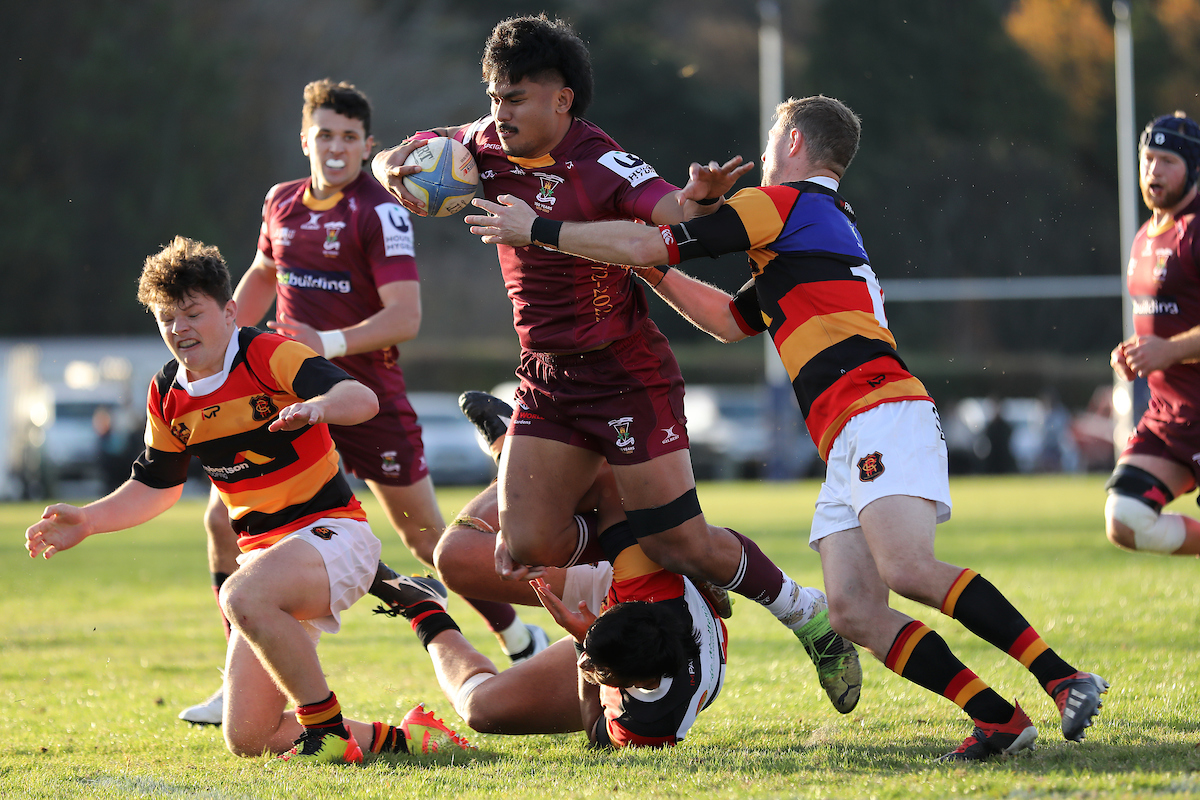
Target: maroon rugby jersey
(1164,284)
(331,255)
(562,303)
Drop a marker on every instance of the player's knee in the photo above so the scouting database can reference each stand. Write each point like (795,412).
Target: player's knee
(1134,525)
(454,557)
(848,618)
(242,745)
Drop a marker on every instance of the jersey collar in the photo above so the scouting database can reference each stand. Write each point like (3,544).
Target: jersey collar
(209,384)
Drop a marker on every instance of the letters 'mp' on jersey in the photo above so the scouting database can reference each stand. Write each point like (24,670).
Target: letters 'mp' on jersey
(816,293)
(331,256)
(272,482)
(562,303)
(1164,285)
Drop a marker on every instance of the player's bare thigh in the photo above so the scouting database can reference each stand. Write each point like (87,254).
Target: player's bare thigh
(541,482)
(899,530)
(1178,477)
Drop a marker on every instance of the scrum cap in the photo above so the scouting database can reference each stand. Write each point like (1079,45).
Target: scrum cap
(1177,133)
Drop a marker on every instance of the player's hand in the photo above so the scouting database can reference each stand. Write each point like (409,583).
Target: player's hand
(61,527)
(507,567)
(296,416)
(300,331)
(712,180)
(388,168)
(1146,354)
(575,623)
(508,221)
(1119,363)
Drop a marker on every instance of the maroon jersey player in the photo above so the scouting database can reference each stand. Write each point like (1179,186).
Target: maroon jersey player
(1162,458)
(598,380)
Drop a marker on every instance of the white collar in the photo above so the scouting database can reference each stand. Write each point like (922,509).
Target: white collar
(822,180)
(202,386)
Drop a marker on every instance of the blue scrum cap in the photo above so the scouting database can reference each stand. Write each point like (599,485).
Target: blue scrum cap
(1177,133)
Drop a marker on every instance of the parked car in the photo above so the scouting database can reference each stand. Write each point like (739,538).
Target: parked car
(451,448)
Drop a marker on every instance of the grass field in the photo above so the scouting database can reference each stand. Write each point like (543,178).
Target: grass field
(104,644)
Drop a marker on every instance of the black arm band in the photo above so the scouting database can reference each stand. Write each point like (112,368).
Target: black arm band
(545,231)
(708,201)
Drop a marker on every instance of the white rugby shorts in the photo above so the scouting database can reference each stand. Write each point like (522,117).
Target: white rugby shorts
(350,551)
(892,449)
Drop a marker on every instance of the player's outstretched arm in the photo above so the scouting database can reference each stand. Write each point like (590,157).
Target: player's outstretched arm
(63,526)
(705,189)
(347,403)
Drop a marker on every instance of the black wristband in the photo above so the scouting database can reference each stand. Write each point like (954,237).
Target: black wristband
(708,201)
(545,231)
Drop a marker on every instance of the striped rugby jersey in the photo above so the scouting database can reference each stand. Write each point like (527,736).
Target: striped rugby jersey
(662,716)
(272,482)
(814,290)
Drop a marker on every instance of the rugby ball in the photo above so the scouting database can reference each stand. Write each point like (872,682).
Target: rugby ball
(448,177)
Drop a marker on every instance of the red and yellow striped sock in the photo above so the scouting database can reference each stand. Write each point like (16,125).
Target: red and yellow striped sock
(985,612)
(918,654)
(325,715)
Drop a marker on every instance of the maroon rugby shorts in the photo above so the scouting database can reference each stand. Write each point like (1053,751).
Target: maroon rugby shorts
(1175,441)
(386,448)
(624,402)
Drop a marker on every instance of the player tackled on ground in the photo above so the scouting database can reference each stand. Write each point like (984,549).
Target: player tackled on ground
(255,408)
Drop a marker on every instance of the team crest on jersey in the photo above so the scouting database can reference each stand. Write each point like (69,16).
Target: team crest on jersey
(870,467)
(548,184)
(332,245)
(624,441)
(321,532)
(314,221)
(388,462)
(181,432)
(1159,273)
(262,408)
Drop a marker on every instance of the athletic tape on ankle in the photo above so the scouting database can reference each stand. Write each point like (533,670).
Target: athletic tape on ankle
(464,692)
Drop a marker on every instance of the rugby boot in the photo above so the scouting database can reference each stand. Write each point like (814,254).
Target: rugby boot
(996,739)
(323,747)
(1078,699)
(489,414)
(424,733)
(835,658)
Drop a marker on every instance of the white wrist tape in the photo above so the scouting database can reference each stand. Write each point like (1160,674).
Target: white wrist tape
(333,343)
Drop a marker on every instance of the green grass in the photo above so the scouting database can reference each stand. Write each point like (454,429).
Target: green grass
(104,644)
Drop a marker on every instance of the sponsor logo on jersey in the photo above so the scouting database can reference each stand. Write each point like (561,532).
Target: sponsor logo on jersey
(211,412)
(314,221)
(262,408)
(877,381)
(870,467)
(671,435)
(321,532)
(623,441)
(332,230)
(517,170)
(388,462)
(628,166)
(1147,306)
(545,199)
(487,174)
(226,472)
(490,146)
(315,279)
(181,432)
(397,230)
(283,237)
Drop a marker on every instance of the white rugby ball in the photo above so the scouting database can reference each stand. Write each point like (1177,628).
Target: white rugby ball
(448,177)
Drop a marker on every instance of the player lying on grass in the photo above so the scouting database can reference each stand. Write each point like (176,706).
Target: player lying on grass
(886,485)
(638,674)
(255,408)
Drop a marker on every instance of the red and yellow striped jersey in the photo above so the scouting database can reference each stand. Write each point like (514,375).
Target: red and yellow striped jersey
(816,293)
(272,482)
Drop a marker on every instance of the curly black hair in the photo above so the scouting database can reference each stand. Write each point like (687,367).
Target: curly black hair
(537,47)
